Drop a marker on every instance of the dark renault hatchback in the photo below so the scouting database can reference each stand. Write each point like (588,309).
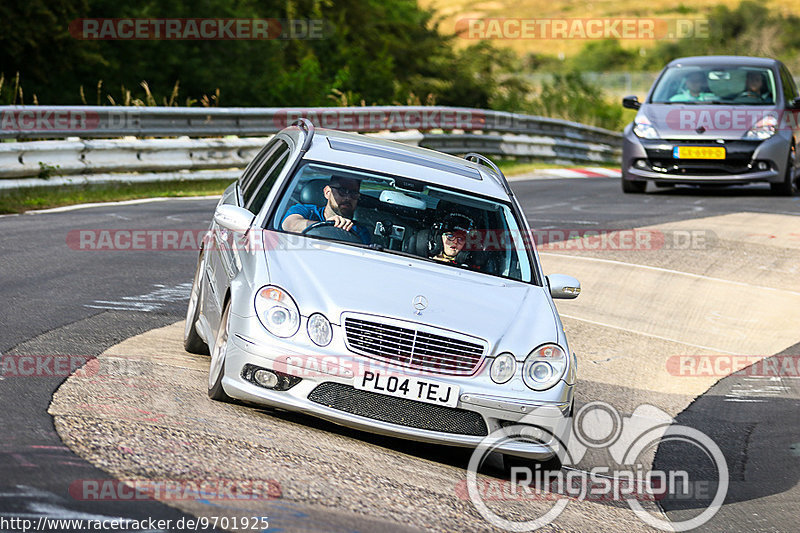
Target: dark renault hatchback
(715,120)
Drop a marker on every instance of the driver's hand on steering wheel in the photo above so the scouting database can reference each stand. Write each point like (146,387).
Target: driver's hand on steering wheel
(341,222)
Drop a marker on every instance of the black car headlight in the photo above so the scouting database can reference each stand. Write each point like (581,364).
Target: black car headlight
(544,366)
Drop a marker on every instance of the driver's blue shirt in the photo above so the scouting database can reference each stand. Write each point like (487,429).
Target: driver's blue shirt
(317,214)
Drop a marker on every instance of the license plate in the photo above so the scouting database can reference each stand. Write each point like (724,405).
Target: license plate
(410,388)
(698,152)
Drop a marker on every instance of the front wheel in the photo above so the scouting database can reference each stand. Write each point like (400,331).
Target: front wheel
(192,342)
(216,370)
(788,187)
(633,187)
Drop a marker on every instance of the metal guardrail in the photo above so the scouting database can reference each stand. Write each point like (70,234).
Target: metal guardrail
(83,153)
(524,146)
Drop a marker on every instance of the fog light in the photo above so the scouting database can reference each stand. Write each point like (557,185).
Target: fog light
(762,165)
(640,163)
(269,379)
(265,378)
(532,432)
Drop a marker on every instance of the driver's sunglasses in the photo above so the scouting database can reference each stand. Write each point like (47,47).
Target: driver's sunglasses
(344,192)
(455,237)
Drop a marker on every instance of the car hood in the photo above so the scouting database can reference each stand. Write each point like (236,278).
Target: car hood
(704,121)
(334,278)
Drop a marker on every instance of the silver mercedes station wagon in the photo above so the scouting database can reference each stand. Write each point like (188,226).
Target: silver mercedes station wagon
(383,287)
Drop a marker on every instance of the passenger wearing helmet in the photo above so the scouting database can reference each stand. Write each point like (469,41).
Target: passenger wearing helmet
(448,237)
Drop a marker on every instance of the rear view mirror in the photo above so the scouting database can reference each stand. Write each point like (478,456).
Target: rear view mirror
(563,286)
(631,102)
(233,218)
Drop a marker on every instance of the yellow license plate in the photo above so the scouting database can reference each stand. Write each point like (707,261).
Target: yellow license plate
(698,152)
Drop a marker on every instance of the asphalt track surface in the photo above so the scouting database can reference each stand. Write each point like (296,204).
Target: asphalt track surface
(61,300)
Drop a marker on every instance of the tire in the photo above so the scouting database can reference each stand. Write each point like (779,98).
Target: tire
(192,342)
(633,187)
(216,369)
(789,186)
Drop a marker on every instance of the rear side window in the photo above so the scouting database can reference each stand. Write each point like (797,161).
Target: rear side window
(249,174)
(257,190)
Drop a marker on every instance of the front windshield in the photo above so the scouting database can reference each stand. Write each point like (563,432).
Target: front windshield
(717,85)
(405,216)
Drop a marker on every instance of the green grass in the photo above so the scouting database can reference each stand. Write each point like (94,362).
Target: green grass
(21,200)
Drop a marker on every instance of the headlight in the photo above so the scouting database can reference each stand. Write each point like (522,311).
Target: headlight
(319,329)
(544,367)
(503,368)
(277,311)
(764,129)
(643,128)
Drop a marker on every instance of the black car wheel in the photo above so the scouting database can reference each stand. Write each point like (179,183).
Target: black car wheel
(633,187)
(788,187)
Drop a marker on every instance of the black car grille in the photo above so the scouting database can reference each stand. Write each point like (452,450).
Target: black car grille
(413,348)
(399,411)
(738,158)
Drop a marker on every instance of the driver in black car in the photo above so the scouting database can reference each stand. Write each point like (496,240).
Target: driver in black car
(342,195)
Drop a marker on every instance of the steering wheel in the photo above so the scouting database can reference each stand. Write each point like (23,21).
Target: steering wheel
(326,229)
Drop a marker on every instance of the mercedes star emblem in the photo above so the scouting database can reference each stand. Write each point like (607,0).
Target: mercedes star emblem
(420,304)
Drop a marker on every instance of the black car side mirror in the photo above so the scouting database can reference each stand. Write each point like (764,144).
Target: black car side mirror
(631,102)
(795,104)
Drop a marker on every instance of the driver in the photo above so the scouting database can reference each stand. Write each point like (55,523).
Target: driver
(342,195)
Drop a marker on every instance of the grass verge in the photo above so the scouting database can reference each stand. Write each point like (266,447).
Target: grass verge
(20,200)
(511,167)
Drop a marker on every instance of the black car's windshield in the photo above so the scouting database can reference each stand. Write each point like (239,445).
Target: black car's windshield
(717,85)
(400,215)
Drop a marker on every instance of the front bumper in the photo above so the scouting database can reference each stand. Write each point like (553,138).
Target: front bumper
(326,391)
(745,162)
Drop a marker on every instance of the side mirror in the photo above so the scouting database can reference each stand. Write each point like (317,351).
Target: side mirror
(563,286)
(795,104)
(631,102)
(233,218)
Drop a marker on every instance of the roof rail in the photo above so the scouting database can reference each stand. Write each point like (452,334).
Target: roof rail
(498,174)
(308,127)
